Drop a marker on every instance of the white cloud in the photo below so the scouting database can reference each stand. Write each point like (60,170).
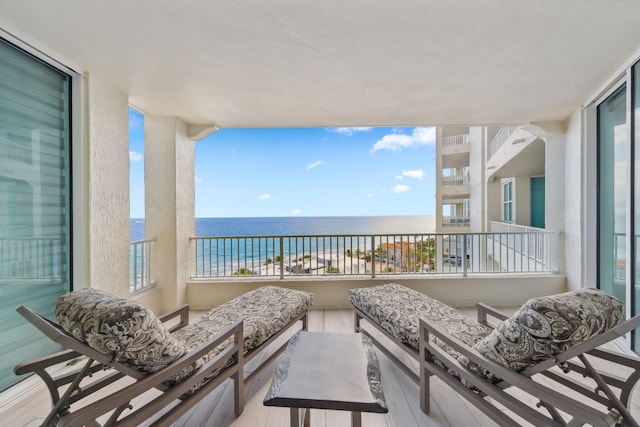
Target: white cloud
(350,131)
(418,173)
(265,196)
(296,212)
(135,156)
(198,180)
(397,141)
(400,188)
(315,164)
(398,177)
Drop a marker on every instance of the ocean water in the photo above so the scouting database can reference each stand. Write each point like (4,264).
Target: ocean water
(221,257)
(301,226)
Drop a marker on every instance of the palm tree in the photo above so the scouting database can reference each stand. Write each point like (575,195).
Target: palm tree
(243,272)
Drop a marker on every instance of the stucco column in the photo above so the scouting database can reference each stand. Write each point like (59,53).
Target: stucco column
(104,219)
(477,179)
(554,194)
(438,180)
(169,205)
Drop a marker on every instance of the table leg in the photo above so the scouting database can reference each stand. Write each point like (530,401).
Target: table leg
(295,417)
(356,419)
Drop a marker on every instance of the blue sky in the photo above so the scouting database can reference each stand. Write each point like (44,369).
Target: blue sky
(304,171)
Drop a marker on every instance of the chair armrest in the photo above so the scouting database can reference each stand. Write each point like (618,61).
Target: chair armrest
(41,363)
(484,310)
(183,312)
(156,380)
(509,377)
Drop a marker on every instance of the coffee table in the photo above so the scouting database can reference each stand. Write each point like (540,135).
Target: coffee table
(327,371)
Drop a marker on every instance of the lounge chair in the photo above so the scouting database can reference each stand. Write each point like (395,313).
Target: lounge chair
(182,362)
(521,371)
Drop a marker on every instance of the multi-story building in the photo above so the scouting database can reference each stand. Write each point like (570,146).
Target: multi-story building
(489,178)
(453,190)
(492,179)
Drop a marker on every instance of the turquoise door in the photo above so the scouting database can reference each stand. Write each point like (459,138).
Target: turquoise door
(537,202)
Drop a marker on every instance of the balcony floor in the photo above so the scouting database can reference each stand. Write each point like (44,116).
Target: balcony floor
(447,407)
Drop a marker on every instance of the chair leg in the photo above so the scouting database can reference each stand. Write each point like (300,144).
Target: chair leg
(424,390)
(238,392)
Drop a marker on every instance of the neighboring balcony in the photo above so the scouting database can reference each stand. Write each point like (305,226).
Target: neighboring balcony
(456,221)
(456,148)
(455,182)
(501,137)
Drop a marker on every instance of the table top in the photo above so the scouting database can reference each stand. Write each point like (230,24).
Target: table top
(328,371)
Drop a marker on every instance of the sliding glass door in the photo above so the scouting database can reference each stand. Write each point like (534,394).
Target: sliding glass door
(35,200)
(618,128)
(613,150)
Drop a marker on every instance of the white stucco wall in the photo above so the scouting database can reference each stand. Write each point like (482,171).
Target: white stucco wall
(499,290)
(477,179)
(169,208)
(522,200)
(107,177)
(573,205)
(555,195)
(438,174)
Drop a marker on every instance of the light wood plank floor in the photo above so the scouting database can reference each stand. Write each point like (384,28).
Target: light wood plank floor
(402,395)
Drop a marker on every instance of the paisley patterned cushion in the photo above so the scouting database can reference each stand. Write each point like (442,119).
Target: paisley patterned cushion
(397,309)
(265,311)
(125,331)
(546,326)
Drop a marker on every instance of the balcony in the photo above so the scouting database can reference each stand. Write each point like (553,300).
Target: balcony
(449,141)
(140,265)
(372,255)
(455,182)
(456,148)
(500,138)
(402,394)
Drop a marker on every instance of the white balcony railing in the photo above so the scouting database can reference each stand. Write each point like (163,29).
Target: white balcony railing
(370,255)
(31,258)
(456,221)
(13,151)
(140,277)
(528,243)
(449,141)
(500,138)
(455,177)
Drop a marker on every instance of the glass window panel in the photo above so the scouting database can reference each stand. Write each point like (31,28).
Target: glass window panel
(35,197)
(636,210)
(613,157)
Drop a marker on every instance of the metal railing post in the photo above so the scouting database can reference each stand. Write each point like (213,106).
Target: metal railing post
(464,255)
(373,262)
(281,257)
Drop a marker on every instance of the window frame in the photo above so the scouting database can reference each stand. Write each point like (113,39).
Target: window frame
(507,202)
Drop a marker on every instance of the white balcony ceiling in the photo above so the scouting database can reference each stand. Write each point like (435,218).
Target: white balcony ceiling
(340,63)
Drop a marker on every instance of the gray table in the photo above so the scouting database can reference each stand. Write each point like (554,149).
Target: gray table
(327,371)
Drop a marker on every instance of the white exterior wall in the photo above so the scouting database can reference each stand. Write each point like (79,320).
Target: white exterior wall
(554,195)
(574,203)
(106,173)
(438,173)
(477,179)
(169,208)
(522,200)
